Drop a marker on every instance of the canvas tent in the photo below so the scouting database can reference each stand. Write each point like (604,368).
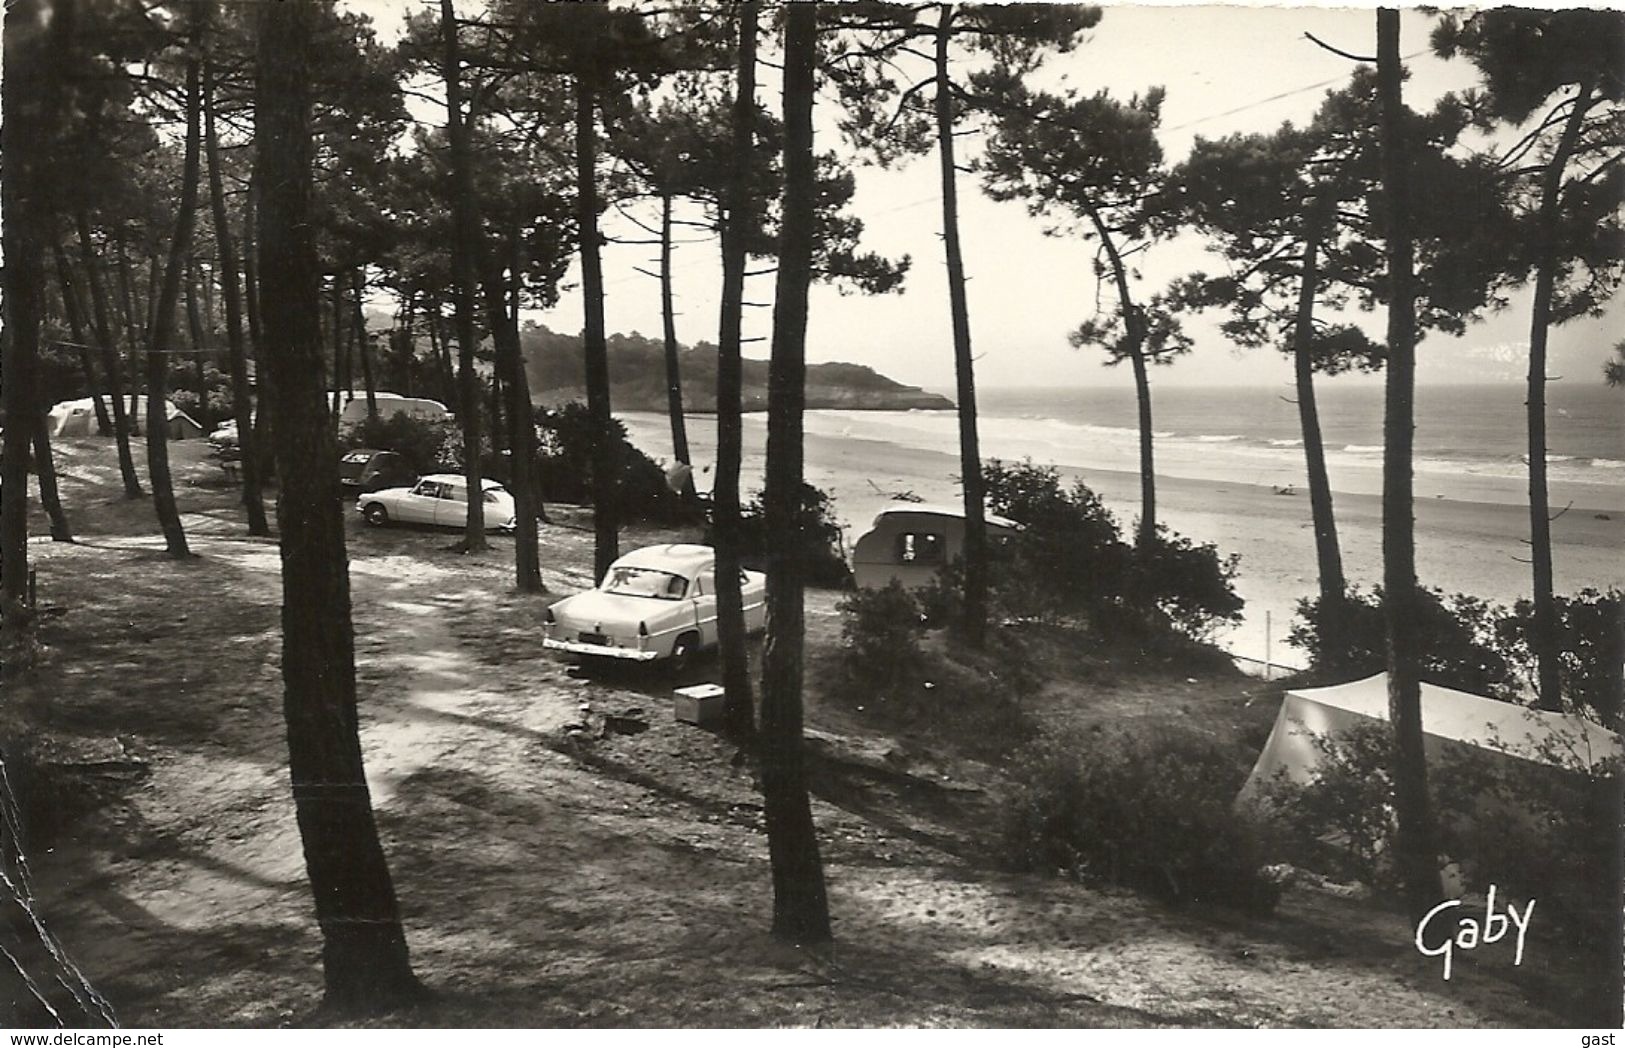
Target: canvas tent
(1449,718)
(77,418)
(74,418)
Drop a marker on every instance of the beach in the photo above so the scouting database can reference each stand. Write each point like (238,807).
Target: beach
(1471,532)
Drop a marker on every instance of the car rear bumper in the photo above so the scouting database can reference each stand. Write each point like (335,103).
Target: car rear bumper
(576,647)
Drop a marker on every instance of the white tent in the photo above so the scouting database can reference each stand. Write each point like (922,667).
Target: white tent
(73,418)
(1449,718)
(76,418)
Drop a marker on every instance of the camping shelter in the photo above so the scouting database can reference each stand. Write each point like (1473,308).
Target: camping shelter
(911,542)
(1449,718)
(74,418)
(77,418)
(354,410)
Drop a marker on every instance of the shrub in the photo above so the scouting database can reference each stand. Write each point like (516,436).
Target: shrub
(1187,583)
(881,631)
(566,437)
(1149,811)
(1070,560)
(1342,821)
(1456,639)
(902,677)
(428,446)
(1531,829)
(816,540)
(1591,645)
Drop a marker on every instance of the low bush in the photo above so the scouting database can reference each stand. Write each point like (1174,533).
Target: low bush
(1185,585)
(1455,634)
(566,437)
(1149,811)
(881,633)
(903,677)
(1341,822)
(1546,831)
(815,542)
(1591,646)
(427,446)
(1070,561)
(1476,646)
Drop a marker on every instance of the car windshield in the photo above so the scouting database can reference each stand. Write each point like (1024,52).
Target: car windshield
(645,582)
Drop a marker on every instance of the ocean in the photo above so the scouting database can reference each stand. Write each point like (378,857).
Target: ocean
(1225,455)
(1470,439)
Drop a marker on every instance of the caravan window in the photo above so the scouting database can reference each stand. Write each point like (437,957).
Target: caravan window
(920,547)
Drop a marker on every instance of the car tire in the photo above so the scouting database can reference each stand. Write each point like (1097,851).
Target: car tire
(684,653)
(375,514)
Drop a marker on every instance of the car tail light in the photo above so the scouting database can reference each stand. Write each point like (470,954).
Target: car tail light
(643,629)
(547,616)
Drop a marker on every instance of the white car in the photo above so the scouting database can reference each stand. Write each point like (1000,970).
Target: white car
(658,602)
(440,498)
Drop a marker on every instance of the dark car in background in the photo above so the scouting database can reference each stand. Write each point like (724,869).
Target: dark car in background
(366,470)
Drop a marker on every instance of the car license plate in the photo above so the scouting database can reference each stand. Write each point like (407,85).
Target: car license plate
(594,638)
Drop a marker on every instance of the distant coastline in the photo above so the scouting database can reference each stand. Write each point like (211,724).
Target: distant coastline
(637,377)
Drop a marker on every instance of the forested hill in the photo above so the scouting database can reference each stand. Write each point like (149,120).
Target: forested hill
(637,375)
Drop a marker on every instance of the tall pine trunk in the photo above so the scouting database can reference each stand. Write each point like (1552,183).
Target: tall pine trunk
(264,399)
(241,406)
(1328,554)
(406,347)
(73,308)
(163,324)
(739,716)
(112,359)
(1146,535)
(194,327)
(605,452)
(22,103)
(510,371)
(363,345)
(438,338)
(1134,334)
(364,954)
(465,250)
(668,328)
(337,328)
(1414,848)
(800,903)
(970,453)
(1544,637)
(45,470)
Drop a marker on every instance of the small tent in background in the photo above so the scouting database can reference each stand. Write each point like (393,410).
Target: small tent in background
(73,418)
(1449,719)
(77,418)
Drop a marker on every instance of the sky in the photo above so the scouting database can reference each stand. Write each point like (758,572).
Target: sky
(1225,69)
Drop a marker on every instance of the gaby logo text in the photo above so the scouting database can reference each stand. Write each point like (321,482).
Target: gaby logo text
(1470,933)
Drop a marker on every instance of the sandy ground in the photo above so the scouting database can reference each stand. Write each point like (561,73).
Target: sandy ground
(552,874)
(1470,547)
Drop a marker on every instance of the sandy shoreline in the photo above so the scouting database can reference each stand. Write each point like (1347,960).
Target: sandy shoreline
(1465,546)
